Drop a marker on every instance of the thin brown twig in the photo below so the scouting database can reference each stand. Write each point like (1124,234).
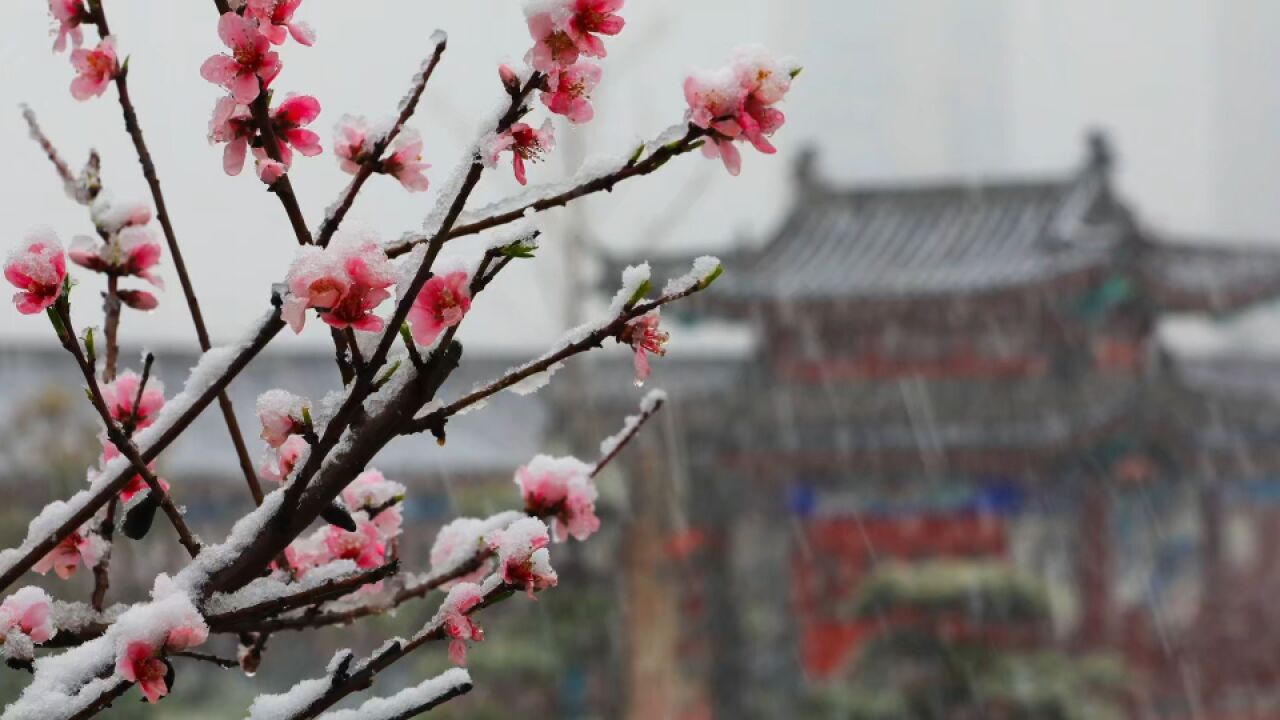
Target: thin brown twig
(374,159)
(263,335)
(435,420)
(632,429)
(37,134)
(343,682)
(605,183)
(175,252)
(118,438)
(102,571)
(234,620)
(205,657)
(111,326)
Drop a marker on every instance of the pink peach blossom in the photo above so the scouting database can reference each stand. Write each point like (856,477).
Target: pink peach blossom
(70,15)
(110,218)
(139,664)
(365,546)
(371,490)
(455,616)
(569,89)
(308,552)
(560,489)
(288,120)
(552,43)
(564,29)
(276,18)
(280,464)
(138,299)
(715,100)
(737,103)
(522,555)
(351,143)
(136,484)
(645,337)
(251,59)
(281,415)
(456,543)
(389,522)
(405,163)
(29,611)
(37,269)
(190,632)
(95,69)
(232,124)
(83,545)
(132,251)
(594,16)
(121,394)
(764,75)
(524,142)
(510,80)
(728,153)
(269,171)
(345,282)
(443,302)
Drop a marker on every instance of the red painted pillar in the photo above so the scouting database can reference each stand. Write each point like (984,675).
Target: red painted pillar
(1094,563)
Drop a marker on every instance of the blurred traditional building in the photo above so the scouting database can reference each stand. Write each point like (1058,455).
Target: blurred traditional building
(970,369)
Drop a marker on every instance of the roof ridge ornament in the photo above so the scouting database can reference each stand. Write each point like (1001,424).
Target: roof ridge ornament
(804,170)
(1100,155)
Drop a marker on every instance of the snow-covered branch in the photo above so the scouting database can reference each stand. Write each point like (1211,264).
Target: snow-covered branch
(274,570)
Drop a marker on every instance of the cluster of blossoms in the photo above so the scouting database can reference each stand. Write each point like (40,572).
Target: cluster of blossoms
(523,559)
(246,72)
(737,103)
(455,617)
(372,503)
(82,546)
(354,143)
(345,282)
(127,247)
(284,417)
(141,660)
(560,489)
(565,33)
(95,68)
(523,562)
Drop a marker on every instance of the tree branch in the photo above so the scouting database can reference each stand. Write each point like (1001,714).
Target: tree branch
(690,141)
(435,420)
(118,438)
(374,159)
(296,512)
(175,253)
(318,619)
(242,619)
(344,682)
(265,332)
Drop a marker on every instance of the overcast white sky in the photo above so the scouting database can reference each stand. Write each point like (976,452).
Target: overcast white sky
(891,90)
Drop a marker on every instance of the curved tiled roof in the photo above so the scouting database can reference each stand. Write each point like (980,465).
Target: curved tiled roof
(928,240)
